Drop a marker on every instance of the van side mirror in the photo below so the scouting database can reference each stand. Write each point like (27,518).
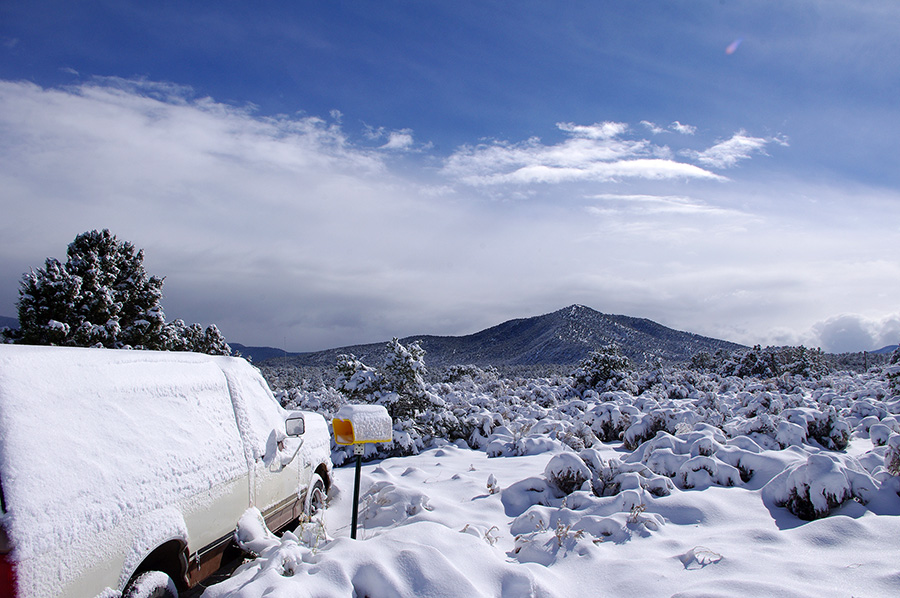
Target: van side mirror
(295,425)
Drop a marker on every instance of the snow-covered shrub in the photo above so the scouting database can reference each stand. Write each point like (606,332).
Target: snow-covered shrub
(702,472)
(604,369)
(517,439)
(324,400)
(879,434)
(756,403)
(645,428)
(567,472)
(892,455)
(613,476)
(690,459)
(800,361)
(473,374)
(829,430)
(524,494)
(703,362)
(756,362)
(790,434)
(811,490)
(892,373)
(608,421)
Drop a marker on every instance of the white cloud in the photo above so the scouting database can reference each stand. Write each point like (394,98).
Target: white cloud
(606,130)
(653,127)
(728,153)
(675,127)
(683,129)
(595,152)
(399,140)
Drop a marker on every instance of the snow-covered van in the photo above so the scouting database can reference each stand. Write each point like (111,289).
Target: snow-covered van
(126,472)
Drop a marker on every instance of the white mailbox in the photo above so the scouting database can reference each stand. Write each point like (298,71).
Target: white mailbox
(357,424)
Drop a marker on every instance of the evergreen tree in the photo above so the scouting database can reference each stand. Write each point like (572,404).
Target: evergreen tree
(399,386)
(102,297)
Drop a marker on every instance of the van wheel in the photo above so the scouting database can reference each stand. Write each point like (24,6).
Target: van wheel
(152,584)
(315,496)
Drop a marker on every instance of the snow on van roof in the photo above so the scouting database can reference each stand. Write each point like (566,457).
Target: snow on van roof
(89,437)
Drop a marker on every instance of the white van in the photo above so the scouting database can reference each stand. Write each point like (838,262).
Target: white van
(125,472)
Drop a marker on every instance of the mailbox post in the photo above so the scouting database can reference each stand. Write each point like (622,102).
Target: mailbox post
(357,425)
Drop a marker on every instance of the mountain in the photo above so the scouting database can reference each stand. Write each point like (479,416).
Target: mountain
(885,350)
(6,322)
(257,354)
(563,337)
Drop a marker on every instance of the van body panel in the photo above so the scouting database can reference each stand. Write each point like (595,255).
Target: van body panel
(106,455)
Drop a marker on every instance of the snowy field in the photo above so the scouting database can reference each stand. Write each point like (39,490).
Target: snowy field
(430,526)
(680,484)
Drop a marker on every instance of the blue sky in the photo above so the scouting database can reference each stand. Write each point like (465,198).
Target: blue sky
(316,174)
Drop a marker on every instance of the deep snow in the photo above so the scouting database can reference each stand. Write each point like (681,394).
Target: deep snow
(669,484)
(430,526)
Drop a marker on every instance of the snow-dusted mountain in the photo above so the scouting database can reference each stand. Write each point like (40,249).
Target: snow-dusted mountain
(6,322)
(562,337)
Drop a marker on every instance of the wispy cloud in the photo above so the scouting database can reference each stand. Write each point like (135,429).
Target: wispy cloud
(660,204)
(401,140)
(683,129)
(597,152)
(654,128)
(675,127)
(729,152)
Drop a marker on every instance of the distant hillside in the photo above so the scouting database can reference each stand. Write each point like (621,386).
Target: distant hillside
(562,337)
(6,322)
(885,350)
(257,354)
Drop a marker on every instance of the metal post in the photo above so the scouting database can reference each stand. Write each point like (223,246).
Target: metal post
(358,450)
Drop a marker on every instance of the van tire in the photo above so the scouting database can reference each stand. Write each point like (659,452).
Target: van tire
(152,584)
(315,497)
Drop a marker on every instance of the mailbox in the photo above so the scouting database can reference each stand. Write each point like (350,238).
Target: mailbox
(358,424)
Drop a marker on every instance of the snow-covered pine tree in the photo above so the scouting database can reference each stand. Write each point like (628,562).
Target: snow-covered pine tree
(102,297)
(399,386)
(47,304)
(404,371)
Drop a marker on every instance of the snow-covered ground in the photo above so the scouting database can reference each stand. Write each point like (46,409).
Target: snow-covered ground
(435,524)
(705,486)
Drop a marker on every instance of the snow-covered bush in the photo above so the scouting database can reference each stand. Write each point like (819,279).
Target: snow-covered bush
(756,362)
(829,430)
(892,455)
(609,420)
(567,473)
(811,490)
(648,425)
(604,370)
(613,476)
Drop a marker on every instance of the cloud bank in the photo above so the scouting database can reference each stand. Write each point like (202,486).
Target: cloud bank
(294,230)
(599,152)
